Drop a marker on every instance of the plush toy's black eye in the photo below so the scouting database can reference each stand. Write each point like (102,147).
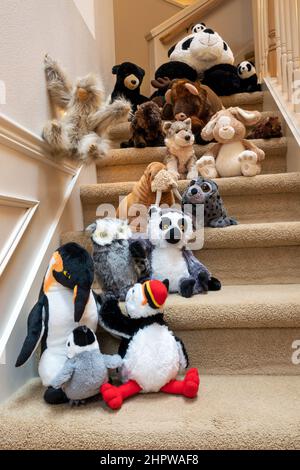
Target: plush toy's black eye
(165,223)
(249,67)
(225,46)
(69,344)
(182,224)
(205,187)
(186,44)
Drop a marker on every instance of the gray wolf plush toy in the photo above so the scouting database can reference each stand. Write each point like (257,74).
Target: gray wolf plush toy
(205,191)
(66,301)
(115,268)
(152,354)
(78,134)
(180,158)
(146,127)
(168,233)
(86,369)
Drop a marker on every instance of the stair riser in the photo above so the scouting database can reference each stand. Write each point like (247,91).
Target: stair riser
(275,163)
(256,265)
(270,207)
(234,351)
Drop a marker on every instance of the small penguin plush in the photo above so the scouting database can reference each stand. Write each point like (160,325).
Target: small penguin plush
(204,191)
(86,368)
(66,301)
(128,83)
(248,76)
(152,355)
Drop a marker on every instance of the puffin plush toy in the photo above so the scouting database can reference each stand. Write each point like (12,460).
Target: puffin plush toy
(152,355)
(65,302)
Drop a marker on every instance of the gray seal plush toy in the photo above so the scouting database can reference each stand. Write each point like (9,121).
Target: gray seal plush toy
(205,191)
(86,368)
(165,246)
(115,269)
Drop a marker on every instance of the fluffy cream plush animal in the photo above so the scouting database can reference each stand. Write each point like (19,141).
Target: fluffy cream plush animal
(232,155)
(80,132)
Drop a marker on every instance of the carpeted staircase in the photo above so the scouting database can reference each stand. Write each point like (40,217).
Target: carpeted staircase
(240,338)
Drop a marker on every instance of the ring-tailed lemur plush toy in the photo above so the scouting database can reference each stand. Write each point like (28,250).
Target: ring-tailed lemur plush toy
(152,355)
(168,234)
(204,191)
(248,76)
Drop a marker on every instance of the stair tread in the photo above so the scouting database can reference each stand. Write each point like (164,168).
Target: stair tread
(131,156)
(280,182)
(231,412)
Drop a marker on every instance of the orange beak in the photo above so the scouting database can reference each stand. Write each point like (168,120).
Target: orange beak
(82,94)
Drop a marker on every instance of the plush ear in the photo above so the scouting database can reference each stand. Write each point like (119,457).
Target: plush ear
(115,69)
(166,283)
(141,71)
(207,131)
(191,88)
(171,50)
(249,118)
(91,228)
(166,126)
(81,297)
(168,96)
(188,122)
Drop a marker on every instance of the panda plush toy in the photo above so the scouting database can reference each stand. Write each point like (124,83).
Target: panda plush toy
(205,52)
(165,247)
(152,355)
(248,77)
(128,83)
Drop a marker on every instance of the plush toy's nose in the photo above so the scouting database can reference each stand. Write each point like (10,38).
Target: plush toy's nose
(187,137)
(173,236)
(133,82)
(82,94)
(194,191)
(208,31)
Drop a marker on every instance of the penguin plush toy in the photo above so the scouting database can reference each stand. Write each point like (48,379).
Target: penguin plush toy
(152,355)
(86,369)
(66,301)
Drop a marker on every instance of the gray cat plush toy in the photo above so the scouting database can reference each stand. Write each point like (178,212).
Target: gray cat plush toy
(205,191)
(86,369)
(115,269)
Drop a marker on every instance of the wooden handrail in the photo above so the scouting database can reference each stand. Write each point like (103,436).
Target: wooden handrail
(171,28)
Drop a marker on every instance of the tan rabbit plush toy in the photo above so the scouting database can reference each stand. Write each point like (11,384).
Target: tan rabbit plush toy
(232,155)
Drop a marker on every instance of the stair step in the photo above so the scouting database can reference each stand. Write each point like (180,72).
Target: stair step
(251,101)
(249,412)
(245,254)
(129,164)
(264,198)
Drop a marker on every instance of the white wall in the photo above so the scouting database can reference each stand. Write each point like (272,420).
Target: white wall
(29,29)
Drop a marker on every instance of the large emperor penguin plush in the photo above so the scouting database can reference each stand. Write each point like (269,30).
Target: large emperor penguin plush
(152,354)
(65,302)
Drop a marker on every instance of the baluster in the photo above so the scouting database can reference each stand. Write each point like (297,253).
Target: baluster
(278,41)
(283,45)
(289,49)
(296,54)
(265,4)
(272,40)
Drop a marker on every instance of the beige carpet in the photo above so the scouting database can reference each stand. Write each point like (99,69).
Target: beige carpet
(230,413)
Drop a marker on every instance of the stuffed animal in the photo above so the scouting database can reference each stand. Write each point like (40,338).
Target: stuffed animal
(232,155)
(86,369)
(165,248)
(66,301)
(152,355)
(146,127)
(267,128)
(128,83)
(205,192)
(78,134)
(156,186)
(115,269)
(191,100)
(180,158)
(248,76)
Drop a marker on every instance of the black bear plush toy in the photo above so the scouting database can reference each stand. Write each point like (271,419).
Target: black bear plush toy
(128,84)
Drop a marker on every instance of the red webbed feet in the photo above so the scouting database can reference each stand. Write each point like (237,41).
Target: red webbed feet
(191,383)
(112,396)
